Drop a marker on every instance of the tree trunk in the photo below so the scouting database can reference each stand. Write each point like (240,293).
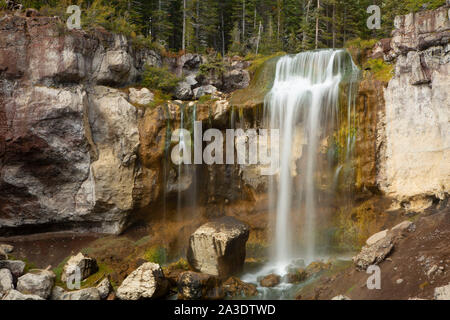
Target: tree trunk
(183,45)
(279,19)
(259,37)
(317,24)
(243,21)
(223,33)
(304,30)
(334,25)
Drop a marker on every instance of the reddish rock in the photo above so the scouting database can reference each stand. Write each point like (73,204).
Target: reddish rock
(271,280)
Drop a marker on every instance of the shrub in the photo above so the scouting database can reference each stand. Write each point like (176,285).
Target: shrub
(380,69)
(159,79)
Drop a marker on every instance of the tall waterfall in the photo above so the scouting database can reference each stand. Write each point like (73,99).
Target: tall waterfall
(304,104)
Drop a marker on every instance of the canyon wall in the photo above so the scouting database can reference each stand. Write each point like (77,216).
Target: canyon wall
(68,144)
(414,139)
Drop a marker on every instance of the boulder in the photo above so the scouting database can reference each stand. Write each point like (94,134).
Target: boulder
(297,276)
(79,263)
(141,97)
(83,294)
(57,293)
(218,247)
(6,281)
(317,267)
(442,293)
(183,91)
(193,286)
(204,90)
(270,280)
(407,226)
(375,253)
(145,282)
(37,282)
(376,237)
(16,295)
(235,287)
(16,267)
(235,79)
(3,255)
(104,288)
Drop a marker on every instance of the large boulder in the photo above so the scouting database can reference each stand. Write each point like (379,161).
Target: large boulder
(204,90)
(381,244)
(104,288)
(16,267)
(270,280)
(235,79)
(145,282)
(37,282)
(374,254)
(218,247)
(79,263)
(235,287)
(183,91)
(193,286)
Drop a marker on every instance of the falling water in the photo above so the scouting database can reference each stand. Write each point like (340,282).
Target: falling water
(304,105)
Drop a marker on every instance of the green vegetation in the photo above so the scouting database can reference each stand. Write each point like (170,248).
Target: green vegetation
(380,69)
(159,79)
(156,254)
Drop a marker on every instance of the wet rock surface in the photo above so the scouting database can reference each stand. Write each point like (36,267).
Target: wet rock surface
(270,280)
(194,286)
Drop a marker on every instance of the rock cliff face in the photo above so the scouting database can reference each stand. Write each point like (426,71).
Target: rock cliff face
(415,140)
(68,145)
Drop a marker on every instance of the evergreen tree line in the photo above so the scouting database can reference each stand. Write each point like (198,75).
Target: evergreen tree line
(243,26)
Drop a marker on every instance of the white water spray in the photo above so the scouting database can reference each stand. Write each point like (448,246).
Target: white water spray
(304,104)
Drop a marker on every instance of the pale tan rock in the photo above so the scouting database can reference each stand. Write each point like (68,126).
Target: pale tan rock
(141,96)
(79,263)
(37,282)
(376,237)
(412,162)
(442,293)
(218,247)
(145,282)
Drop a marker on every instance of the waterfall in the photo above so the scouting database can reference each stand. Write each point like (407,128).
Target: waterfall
(304,104)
